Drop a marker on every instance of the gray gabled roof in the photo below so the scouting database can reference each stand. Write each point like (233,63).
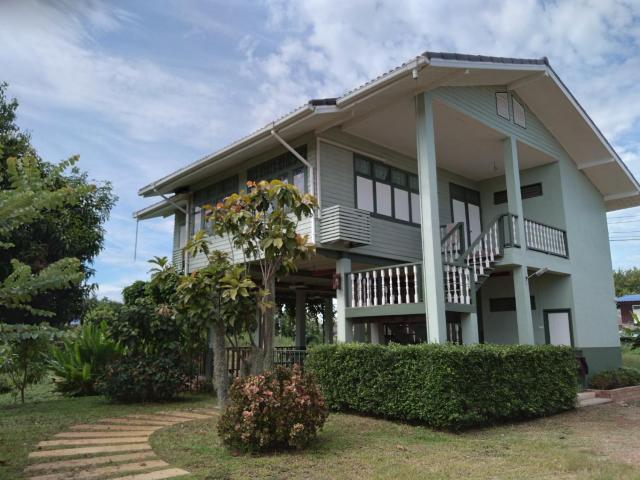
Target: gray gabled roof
(463,57)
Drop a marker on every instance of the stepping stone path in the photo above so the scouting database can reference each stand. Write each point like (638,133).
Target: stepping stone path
(113,448)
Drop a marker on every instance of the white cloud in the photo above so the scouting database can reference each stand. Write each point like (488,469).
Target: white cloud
(594,44)
(52,54)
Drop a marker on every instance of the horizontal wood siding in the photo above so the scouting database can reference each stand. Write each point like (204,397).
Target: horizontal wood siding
(389,239)
(480,103)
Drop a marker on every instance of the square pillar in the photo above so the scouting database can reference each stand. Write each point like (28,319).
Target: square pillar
(327,320)
(433,283)
(470,333)
(523,306)
(301,319)
(344,325)
(514,194)
(377,335)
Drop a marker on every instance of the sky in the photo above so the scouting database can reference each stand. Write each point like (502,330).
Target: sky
(141,88)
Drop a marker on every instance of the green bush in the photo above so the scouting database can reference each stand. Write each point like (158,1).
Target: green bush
(5,385)
(279,409)
(618,378)
(81,360)
(144,377)
(446,386)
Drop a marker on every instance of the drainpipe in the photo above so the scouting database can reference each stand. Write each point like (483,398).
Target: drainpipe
(311,178)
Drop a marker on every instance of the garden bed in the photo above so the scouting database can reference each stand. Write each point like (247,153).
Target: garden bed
(625,394)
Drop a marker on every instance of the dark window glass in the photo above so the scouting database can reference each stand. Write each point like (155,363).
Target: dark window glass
(507,304)
(526,191)
(413,182)
(381,172)
(399,178)
(363,166)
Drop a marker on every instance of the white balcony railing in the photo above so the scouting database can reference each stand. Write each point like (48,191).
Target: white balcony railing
(395,285)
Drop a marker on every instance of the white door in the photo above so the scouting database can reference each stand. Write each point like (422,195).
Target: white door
(559,328)
(475,225)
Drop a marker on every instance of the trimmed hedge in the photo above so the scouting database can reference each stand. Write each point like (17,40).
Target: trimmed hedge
(446,386)
(617,378)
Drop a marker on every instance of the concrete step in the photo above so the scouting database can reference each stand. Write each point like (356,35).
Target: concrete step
(586,395)
(590,402)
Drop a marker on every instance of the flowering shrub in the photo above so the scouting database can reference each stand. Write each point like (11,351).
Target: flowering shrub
(279,409)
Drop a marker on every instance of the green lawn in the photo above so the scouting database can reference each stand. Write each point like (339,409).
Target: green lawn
(46,413)
(630,357)
(593,443)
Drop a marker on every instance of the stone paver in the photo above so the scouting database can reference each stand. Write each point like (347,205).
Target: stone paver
(85,462)
(103,471)
(69,442)
(135,421)
(68,452)
(127,428)
(158,475)
(112,446)
(107,434)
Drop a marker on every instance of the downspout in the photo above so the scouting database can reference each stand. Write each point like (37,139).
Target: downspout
(311,177)
(186,214)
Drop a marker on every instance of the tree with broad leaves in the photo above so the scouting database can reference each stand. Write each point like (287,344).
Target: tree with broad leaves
(262,224)
(217,296)
(28,199)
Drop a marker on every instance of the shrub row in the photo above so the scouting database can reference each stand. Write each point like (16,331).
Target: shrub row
(446,386)
(618,378)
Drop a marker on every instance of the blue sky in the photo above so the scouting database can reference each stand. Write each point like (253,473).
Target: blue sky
(139,89)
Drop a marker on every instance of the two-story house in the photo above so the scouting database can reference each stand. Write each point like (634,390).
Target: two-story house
(461,198)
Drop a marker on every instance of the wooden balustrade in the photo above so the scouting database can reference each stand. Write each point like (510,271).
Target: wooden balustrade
(393,285)
(484,250)
(544,238)
(458,285)
(452,241)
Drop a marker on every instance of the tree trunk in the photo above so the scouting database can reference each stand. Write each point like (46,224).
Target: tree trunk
(220,370)
(268,325)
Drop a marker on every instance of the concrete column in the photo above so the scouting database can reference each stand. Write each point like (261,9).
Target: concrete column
(359,332)
(514,195)
(470,333)
(433,284)
(301,319)
(523,306)
(377,336)
(327,320)
(345,326)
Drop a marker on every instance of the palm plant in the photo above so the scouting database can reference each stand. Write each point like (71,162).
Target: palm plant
(81,360)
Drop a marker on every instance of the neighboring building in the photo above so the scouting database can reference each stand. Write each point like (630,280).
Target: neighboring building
(627,306)
(507,241)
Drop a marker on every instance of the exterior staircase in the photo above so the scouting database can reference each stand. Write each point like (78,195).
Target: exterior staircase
(466,269)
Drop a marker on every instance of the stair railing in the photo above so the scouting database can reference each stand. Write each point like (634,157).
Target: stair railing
(484,249)
(452,241)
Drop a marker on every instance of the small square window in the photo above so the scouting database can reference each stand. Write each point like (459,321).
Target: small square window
(399,178)
(381,172)
(413,182)
(363,166)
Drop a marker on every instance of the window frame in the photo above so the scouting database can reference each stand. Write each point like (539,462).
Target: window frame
(225,189)
(372,176)
(289,171)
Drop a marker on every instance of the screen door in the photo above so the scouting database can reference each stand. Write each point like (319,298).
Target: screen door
(465,208)
(557,325)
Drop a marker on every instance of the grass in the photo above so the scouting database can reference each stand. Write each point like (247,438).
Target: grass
(593,443)
(630,357)
(45,413)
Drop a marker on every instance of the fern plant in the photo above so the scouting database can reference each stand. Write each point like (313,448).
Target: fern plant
(79,363)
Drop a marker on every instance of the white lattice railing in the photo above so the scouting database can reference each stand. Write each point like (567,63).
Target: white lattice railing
(483,251)
(545,238)
(452,241)
(458,285)
(393,285)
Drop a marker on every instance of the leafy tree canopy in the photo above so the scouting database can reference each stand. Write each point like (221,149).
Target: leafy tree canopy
(66,230)
(627,281)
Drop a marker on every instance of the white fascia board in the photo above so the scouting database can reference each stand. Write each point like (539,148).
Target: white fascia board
(475,65)
(385,79)
(245,142)
(593,126)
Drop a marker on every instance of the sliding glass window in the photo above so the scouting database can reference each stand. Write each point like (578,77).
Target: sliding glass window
(386,191)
